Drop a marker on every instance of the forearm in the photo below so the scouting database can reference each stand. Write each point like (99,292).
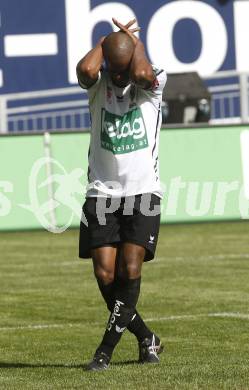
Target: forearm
(141,71)
(89,66)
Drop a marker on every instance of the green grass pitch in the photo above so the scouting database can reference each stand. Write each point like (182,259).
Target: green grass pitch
(195,296)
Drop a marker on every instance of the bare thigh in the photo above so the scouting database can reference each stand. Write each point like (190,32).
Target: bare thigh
(104,263)
(130,260)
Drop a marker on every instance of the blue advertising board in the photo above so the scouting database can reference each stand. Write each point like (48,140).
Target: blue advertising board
(41,42)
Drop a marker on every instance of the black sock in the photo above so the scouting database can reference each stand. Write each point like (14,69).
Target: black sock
(136,325)
(139,328)
(107,291)
(126,297)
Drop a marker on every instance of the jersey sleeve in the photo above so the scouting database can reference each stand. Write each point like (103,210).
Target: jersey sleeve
(91,91)
(155,92)
(159,82)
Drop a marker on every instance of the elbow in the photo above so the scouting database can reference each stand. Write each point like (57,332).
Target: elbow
(143,76)
(85,70)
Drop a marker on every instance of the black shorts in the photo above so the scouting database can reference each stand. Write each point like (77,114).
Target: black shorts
(140,226)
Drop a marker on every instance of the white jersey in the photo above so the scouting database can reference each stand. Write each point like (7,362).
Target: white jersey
(125,126)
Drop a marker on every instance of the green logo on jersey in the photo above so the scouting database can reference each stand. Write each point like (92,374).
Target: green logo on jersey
(123,134)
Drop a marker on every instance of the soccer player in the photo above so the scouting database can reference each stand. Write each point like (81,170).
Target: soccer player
(125,104)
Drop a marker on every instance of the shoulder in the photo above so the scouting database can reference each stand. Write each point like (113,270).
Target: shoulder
(102,75)
(98,88)
(156,90)
(160,77)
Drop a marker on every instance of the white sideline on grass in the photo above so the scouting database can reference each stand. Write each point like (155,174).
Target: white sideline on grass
(206,257)
(240,316)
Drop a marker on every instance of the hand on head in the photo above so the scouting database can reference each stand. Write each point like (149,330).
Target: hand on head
(126,28)
(118,48)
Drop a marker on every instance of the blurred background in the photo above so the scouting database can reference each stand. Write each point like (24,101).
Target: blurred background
(195,294)
(201,44)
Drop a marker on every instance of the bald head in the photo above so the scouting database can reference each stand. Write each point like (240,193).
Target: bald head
(118,49)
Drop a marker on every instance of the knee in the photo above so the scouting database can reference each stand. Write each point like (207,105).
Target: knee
(105,276)
(133,271)
(130,270)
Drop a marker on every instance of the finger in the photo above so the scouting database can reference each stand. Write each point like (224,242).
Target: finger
(117,23)
(130,23)
(120,26)
(133,30)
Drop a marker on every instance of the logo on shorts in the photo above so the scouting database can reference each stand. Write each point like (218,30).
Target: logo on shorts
(123,134)
(152,238)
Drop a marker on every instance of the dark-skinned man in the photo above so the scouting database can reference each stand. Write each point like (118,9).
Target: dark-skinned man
(125,105)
